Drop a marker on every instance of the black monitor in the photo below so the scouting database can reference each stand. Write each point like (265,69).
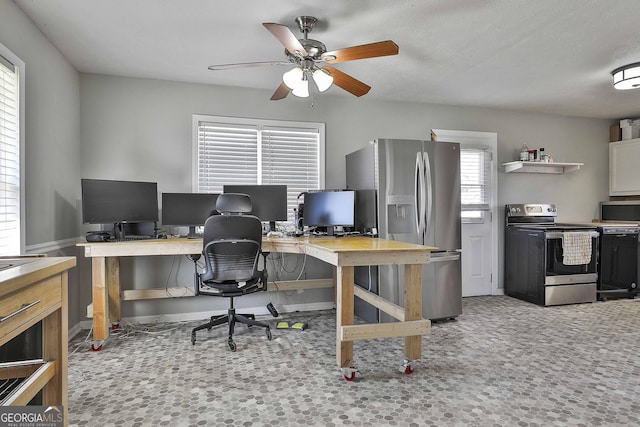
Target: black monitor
(269,202)
(188,209)
(329,209)
(118,202)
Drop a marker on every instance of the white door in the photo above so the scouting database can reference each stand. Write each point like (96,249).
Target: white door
(479,227)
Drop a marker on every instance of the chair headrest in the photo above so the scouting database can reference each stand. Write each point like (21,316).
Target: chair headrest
(233,203)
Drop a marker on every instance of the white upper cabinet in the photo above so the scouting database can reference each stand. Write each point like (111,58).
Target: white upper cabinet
(624,168)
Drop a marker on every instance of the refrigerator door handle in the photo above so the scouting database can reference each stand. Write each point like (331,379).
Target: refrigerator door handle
(418,195)
(428,220)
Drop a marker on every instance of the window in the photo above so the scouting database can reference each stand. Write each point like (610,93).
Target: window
(250,151)
(10,120)
(475,164)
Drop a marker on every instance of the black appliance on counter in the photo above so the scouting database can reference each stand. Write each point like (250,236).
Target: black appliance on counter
(536,266)
(619,268)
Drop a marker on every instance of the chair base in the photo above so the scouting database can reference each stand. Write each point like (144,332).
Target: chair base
(231,318)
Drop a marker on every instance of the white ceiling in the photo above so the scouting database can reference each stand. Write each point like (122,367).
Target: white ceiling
(547,56)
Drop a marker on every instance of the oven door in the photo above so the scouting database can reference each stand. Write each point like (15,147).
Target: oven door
(558,273)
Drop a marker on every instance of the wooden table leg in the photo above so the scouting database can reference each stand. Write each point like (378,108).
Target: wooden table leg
(55,340)
(113,283)
(99,298)
(413,308)
(344,315)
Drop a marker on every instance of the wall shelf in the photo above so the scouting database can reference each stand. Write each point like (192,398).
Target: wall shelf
(541,167)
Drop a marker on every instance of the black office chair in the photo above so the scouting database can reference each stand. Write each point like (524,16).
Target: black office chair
(231,249)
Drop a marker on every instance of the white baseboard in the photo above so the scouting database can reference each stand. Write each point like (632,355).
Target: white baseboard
(201,315)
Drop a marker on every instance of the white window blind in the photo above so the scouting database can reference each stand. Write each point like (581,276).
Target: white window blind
(475,177)
(9,159)
(252,151)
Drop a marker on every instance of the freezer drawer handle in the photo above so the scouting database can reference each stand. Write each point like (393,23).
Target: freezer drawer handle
(455,257)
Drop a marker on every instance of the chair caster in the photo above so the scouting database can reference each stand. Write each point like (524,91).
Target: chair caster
(193,338)
(269,336)
(232,345)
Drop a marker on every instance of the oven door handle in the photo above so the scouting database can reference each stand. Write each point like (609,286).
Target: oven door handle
(558,234)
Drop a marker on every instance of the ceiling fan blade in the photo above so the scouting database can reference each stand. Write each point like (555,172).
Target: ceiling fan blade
(348,83)
(371,50)
(280,93)
(246,64)
(286,37)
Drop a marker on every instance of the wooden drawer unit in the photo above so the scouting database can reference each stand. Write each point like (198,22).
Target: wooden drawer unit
(32,290)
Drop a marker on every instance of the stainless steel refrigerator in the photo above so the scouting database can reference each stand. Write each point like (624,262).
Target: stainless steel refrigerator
(417,200)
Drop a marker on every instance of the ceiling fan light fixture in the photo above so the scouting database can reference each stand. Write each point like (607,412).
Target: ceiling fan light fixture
(302,90)
(293,78)
(627,77)
(323,79)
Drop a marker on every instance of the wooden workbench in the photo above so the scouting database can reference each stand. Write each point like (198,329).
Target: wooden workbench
(342,253)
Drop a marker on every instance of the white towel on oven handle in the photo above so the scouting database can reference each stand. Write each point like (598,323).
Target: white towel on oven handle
(576,247)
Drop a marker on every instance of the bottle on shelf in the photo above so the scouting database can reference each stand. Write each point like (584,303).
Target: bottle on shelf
(524,153)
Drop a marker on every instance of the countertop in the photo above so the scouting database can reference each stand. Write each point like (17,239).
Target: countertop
(20,270)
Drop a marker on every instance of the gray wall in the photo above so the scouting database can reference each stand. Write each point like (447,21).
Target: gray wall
(95,126)
(52,142)
(141,129)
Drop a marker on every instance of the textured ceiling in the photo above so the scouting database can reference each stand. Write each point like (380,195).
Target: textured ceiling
(546,56)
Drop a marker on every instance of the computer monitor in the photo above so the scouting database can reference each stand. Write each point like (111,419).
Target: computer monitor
(118,202)
(188,209)
(329,209)
(268,202)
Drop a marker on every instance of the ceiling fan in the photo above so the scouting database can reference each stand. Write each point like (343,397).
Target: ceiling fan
(310,58)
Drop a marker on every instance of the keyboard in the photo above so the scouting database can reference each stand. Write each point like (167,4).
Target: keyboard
(131,238)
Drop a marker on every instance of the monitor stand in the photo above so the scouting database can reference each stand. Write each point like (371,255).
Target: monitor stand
(331,231)
(272,226)
(118,230)
(192,233)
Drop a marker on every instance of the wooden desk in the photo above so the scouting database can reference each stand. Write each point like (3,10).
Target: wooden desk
(35,289)
(343,253)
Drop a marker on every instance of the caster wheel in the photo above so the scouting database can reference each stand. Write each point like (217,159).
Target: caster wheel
(95,348)
(232,346)
(269,336)
(193,340)
(407,367)
(349,373)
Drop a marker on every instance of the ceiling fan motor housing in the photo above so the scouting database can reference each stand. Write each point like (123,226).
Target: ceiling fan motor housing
(314,49)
